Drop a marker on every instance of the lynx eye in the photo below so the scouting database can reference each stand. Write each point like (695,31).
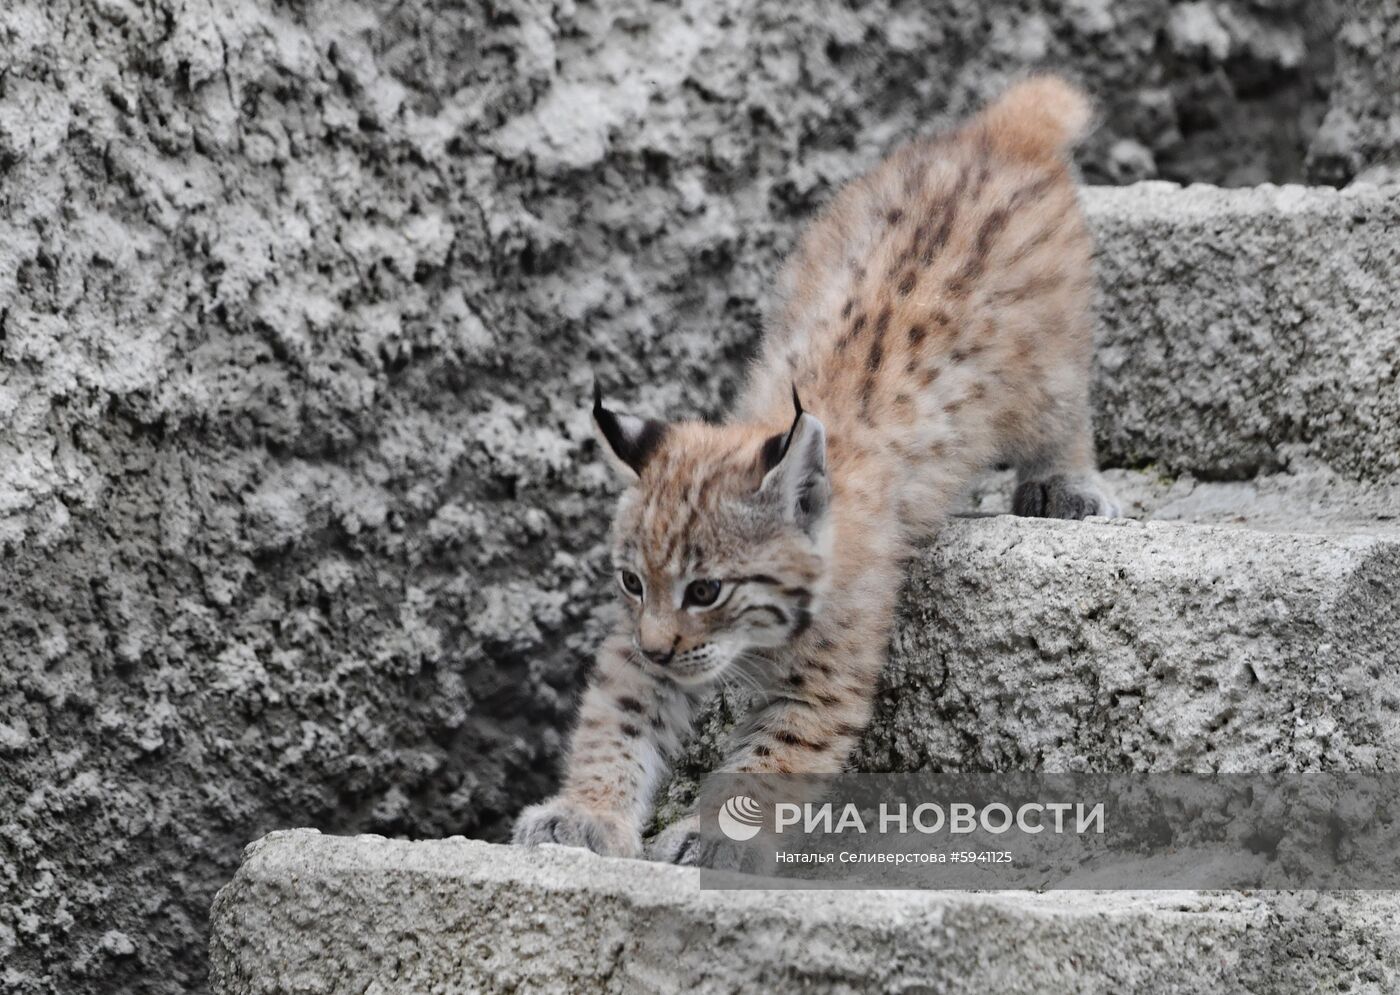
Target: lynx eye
(702,593)
(630,582)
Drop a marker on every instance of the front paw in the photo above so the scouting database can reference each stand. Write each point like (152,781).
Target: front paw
(685,843)
(568,824)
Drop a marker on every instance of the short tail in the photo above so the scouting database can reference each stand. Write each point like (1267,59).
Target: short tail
(1039,118)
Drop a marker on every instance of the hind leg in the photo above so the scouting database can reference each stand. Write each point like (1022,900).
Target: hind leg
(1059,478)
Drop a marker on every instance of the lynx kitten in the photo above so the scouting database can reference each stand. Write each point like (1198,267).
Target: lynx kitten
(934,321)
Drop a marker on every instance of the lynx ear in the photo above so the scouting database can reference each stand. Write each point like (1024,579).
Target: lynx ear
(795,465)
(629,440)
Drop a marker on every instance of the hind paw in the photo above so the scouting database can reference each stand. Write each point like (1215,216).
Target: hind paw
(1064,496)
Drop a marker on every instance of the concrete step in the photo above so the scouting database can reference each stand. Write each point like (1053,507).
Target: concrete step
(1126,645)
(314,914)
(1245,330)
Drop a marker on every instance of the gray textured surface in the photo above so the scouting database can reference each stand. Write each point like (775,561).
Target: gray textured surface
(314,914)
(298,303)
(1245,331)
(1360,136)
(1124,646)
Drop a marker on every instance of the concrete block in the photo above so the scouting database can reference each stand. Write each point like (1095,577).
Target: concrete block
(1027,644)
(1243,331)
(314,914)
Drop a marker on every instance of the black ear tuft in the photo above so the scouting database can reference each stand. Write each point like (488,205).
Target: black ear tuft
(776,447)
(799,481)
(631,439)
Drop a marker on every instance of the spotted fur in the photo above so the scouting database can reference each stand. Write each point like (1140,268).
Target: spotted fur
(934,321)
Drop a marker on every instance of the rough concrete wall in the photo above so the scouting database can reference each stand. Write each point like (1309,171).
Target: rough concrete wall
(298,305)
(1360,136)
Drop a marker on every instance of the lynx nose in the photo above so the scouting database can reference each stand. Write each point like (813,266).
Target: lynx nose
(660,657)
(657,639)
